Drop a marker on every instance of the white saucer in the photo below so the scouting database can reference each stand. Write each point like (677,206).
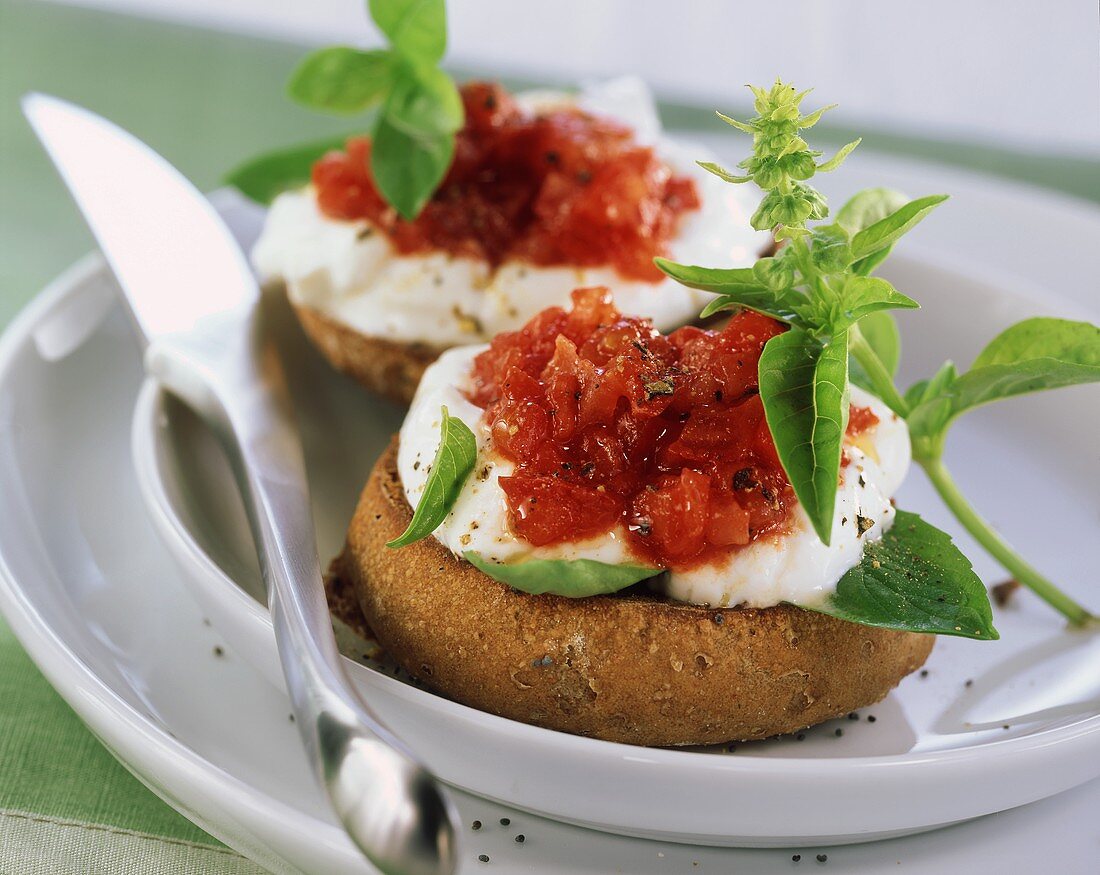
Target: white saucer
(93,596)
(934,754)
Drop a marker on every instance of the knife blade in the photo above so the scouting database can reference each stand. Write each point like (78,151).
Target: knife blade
(196,306)
(173,256)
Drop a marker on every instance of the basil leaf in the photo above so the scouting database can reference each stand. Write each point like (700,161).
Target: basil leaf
(454,460)
(869,206)
(914,579)
(838,159)
(341,79)
(863,295)
(269,175)
(880,330)
(863,210)
(407,169)
(886,232)
(830,250)
(1031,356)
(1042,337)
(775,271)
(804,387)
(738,286)
(424,103)
(572,578)
(721,172)
(709,279)
(930,403)
(416,28)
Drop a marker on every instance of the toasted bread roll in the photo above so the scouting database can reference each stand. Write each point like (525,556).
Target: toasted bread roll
(390,368)
(631,667)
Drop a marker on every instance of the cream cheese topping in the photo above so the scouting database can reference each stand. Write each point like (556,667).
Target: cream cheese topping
(350,272)
(794,567)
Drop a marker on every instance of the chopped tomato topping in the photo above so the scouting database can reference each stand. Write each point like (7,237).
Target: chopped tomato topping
(860,420)
(548,188)
(609,423)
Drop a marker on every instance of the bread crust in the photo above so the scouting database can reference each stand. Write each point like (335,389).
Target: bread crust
(633,667)
(388,367)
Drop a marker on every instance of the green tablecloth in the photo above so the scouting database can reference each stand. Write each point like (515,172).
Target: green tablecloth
(204,100)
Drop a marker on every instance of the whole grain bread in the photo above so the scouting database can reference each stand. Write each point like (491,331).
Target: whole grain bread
(633,667)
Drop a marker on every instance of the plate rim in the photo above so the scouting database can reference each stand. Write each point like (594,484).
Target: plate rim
(20,330)
(220,586)
(120,727)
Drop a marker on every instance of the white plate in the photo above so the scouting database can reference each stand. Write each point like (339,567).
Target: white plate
(935,752)
(93,596)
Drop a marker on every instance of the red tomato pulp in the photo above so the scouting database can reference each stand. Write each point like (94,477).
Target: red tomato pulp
(608,421)
(551,188)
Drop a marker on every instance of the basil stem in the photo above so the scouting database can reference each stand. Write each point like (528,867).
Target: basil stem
(874,368)
(928,454)
(998,548)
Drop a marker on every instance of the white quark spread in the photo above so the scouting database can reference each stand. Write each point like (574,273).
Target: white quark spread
(350,271)
(794,567)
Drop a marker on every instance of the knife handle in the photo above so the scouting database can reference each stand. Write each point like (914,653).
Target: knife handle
(391,806)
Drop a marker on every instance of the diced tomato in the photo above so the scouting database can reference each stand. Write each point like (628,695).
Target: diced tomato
(861,419)
(549,188)
(546,509)
(728,523)
(609,423)
(676,515)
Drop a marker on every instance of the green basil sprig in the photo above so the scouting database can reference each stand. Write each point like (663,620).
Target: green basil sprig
(914,579)
(820,283)
(416,107)
(454,460)
(572,578)
(804,387)
(1031,356)
(266,176)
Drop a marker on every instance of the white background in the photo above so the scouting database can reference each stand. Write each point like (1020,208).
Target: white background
(1022,74)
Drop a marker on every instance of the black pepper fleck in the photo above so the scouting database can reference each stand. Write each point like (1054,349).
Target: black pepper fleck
(504,821)
(924,672)
(797,858)
(969,682)
(218,650)
(743,480)
(839,733)
(769,497)
(821,858)
(871,718)
(520,839)
(853,716)
(800,737)
(484,858)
